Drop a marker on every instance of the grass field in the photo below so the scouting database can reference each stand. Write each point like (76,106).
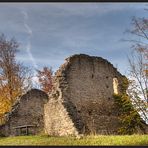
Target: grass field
(137,140)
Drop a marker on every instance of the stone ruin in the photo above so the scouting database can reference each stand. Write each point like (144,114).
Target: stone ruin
(27,112)
(81,101)
(82,98)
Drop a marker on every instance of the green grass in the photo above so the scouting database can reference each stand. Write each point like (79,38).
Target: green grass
(141,140)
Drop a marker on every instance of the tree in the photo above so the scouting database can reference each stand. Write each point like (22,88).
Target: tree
(15,78)
(140,29)
(45,79)
(138,62)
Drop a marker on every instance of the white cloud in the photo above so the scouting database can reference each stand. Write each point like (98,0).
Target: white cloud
(29,31)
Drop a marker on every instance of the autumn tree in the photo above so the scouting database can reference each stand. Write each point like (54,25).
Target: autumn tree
(138,62)
(15,78)
(45,79)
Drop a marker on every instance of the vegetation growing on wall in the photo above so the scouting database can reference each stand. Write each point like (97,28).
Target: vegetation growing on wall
(129,117)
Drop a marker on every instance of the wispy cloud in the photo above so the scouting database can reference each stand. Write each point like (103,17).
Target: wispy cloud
(29,32)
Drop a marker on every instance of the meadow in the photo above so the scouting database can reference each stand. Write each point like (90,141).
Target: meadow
(99,140)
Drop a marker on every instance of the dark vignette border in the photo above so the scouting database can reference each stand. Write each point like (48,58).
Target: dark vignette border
(65,1)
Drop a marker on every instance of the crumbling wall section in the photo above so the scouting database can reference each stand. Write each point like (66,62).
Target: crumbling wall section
(90,89)
(57,118)
(86,89)
(28,110)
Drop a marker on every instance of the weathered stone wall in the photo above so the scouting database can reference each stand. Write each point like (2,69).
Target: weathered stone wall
(84,86)
(90,88)
(57,120)
(28,110)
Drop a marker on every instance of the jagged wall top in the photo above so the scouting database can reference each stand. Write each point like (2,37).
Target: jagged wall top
(69,60)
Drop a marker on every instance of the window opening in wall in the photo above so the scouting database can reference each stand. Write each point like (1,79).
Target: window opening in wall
(115,85)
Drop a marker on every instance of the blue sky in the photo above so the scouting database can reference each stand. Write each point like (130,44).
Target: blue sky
(50,32)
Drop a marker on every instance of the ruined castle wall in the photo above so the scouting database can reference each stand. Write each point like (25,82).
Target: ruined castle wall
(86,86)
(28,111)
(90,89)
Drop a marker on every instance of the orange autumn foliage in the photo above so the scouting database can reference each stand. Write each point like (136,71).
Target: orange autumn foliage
(45,79)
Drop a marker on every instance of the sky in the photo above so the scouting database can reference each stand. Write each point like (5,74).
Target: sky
(50,32)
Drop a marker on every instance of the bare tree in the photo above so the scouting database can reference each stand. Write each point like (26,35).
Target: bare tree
(138,88)
(14,77)
(138,61)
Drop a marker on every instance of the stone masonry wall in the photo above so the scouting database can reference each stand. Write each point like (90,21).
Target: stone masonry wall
(84,87)
(57,120)
(29,110)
